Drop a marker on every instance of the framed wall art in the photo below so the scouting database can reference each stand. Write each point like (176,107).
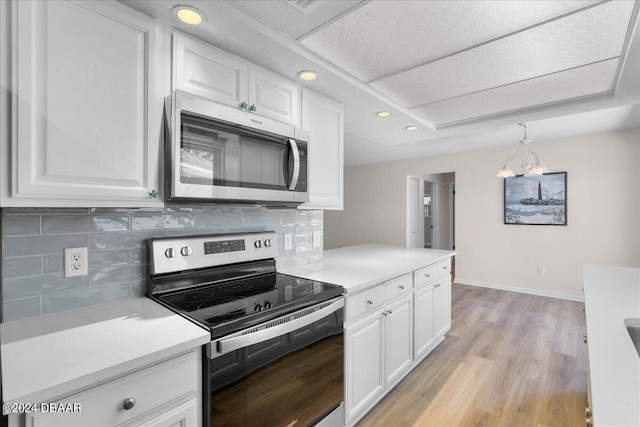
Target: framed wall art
(536,199)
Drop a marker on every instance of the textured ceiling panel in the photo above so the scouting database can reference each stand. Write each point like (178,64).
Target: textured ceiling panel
(586,37)
(588,80)
(294,19)
(385,37)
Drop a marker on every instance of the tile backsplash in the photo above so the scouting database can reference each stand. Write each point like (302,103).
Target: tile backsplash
(33,241)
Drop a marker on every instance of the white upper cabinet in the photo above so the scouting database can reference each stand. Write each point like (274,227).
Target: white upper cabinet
(86,106)
(323,118)
(205,70)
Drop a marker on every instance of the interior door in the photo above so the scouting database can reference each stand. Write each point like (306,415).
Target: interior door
(413,217)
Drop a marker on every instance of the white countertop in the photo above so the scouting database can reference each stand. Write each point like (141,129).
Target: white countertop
(358,267)
(612,294)
(56,354)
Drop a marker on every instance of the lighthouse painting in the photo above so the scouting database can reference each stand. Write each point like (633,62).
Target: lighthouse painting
(536,199)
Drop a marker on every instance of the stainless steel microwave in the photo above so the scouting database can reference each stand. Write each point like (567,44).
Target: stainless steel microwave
(220,154)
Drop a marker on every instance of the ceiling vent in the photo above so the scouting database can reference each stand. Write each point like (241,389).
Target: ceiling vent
(304,6)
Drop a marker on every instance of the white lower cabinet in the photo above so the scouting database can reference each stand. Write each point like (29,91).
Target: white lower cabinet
(164,395)
(424,320)
(390,328)
(399,335)
(432,315)
(379,352)
(443,305)
(364,364)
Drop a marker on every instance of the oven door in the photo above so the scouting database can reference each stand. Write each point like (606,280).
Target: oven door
(220,153)
(288,371)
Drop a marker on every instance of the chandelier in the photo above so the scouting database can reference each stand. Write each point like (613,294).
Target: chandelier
(529,160)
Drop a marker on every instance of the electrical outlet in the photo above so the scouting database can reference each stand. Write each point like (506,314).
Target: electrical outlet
(317,239)
(541,269)
(288,242)
(75,262)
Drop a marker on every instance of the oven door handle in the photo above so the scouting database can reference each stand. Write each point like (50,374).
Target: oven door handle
(267,332)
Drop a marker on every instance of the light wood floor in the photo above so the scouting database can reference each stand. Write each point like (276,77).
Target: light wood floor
(510,359)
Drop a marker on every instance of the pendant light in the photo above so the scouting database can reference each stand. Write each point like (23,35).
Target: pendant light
(529,160)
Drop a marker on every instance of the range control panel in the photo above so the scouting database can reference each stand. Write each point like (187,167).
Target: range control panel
(171,254)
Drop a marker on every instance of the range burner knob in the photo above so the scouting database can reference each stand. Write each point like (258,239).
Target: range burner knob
(267,304)
(258,307)
(186,250)
(258,244)
(267,243)
(170,253)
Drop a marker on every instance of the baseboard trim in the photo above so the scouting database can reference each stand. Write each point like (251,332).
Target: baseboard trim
(520,290)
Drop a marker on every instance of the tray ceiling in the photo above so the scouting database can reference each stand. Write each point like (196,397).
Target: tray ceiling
(451,62)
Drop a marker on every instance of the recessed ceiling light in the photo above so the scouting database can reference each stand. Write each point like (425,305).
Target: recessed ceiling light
(383,114)
(411,128)
(189,15)
(307,75)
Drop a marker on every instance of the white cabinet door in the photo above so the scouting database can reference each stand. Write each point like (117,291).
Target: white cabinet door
(443,305)
(323,118)
(205,70)
(424,320)
(364,364)
(399,339)
(86,105)
(274,97)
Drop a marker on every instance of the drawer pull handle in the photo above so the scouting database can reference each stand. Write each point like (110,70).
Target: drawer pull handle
(444,267)
(370,302)
(128,403)
(401,286)
(389,312)
(427,275)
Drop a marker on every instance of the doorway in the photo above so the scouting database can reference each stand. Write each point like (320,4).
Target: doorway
(430,202)
(431,211)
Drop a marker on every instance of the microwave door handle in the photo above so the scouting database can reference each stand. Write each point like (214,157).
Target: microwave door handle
(296,164)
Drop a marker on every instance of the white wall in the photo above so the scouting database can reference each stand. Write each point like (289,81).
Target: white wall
(603,207)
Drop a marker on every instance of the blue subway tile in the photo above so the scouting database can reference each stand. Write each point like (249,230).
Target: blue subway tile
(38,285)
(21,308)
(119,274)
(42,245)
(147,222)
(52,224)
(123,239)
(20,225)
(53,264)
(219,220)
(21,267)
(101,259)
(61,301)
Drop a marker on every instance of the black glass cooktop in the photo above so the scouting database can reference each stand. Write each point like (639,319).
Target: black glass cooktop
(233,305)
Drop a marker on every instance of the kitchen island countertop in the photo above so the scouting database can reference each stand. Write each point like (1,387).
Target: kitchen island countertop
(612,294)
(359,267)
(56,354)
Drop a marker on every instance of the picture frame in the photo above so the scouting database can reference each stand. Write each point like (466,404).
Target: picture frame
(536,199)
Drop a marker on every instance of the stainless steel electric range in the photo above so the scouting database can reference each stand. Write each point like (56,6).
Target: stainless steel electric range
(276,350)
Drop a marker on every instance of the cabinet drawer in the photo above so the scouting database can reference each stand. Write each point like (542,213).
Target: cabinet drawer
(104,405)
(431,272)
(365,301)
(399,286)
